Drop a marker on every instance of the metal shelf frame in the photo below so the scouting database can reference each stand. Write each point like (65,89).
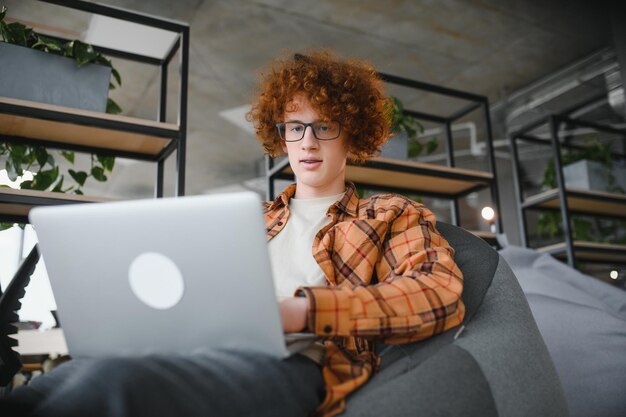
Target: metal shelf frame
(562,197)
(178,138)
(476,102)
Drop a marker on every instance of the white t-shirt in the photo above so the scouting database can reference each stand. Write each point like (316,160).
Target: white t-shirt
(291,251)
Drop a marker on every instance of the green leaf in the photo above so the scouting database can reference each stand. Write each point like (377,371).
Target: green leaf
(51,160)
(432,145)
(98,174)
(11,171)
(18,34)
(581,229)
(3,12)
(17,166)
(69,156)
(41,155)
(107,162)
(79,192)
(47,44)
(414,149)
(410,132)
(67,49)
(101,60)
(80,177)
(26,185)
(19,150)
(112,107)
(420,128)
(4,33)
(58,188)
(549,224)
(401,122)
(116,75)
(6,226)
(83,53)
(44,179)
(398,104)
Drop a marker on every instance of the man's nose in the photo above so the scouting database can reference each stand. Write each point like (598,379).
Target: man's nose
(309,140)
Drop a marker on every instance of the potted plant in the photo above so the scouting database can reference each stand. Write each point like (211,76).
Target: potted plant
(39,68)
(37,162)
(404,143)
(602,176)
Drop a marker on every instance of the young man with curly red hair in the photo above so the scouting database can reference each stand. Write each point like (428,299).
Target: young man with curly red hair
(362,270)
(359,273)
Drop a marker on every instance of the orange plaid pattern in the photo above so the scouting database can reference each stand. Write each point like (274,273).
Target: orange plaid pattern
(390,277)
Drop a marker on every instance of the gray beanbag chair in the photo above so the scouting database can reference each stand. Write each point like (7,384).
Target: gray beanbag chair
(583,322)
(497,366)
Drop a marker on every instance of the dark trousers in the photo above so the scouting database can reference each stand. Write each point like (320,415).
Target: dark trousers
(212,383)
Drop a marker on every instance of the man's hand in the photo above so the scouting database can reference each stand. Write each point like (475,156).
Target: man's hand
(293,313)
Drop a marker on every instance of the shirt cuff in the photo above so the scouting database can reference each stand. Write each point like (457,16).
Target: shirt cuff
(329,311)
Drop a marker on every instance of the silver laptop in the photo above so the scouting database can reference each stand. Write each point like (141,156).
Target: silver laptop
(161,275)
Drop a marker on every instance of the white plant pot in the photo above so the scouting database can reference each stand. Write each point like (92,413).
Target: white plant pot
(397,147)
(591,175)
(29,74)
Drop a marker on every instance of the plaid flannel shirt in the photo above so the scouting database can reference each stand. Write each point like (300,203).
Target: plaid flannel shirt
(390,277)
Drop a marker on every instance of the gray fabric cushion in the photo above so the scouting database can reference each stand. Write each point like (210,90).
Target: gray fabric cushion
(583,322)
(476,259)
(448,383)
(499,365)
(505,341)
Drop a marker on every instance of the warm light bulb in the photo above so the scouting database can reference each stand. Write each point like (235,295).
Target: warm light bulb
(488,213)
(614,274)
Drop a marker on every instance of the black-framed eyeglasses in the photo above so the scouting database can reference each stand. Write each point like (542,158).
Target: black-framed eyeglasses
(294,131)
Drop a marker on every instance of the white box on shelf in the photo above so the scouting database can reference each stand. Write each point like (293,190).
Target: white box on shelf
(591,175)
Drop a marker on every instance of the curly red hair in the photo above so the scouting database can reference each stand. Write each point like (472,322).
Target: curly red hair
(345,90)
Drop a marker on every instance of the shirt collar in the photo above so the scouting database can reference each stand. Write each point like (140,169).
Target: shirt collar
(283,198)
(349,203)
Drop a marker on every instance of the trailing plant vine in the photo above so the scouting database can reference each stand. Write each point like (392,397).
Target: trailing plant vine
(20,159)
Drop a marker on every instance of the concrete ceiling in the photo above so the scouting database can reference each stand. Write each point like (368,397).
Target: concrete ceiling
(488,47)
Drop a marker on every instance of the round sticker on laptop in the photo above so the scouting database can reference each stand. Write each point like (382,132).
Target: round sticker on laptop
(156,280)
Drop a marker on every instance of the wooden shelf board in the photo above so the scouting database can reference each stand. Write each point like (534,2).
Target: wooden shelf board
(71,133)
(590,251)
(415,176)
(582,201)
(19,202)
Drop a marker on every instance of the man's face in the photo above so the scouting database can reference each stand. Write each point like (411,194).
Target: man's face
(319,165)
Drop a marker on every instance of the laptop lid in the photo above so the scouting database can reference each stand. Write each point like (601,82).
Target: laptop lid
(161,275)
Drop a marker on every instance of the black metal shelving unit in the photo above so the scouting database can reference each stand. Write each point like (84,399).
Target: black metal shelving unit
(65,128)
(567,200)
(447,182)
